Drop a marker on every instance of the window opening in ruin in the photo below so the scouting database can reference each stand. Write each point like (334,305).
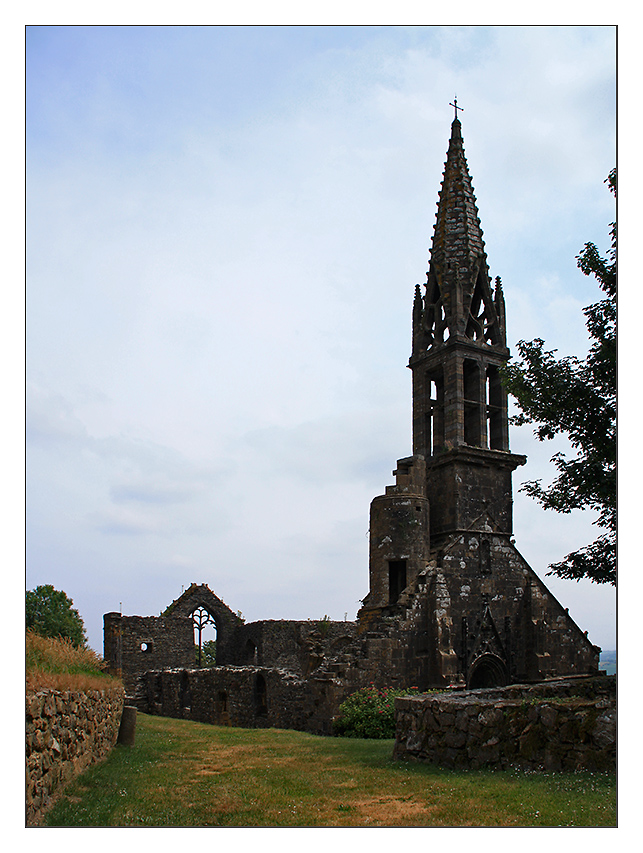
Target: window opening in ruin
(472,403)
(251,655)
(261,696)
(204,635)
(495,410)
(434,439)
(146,646)
(396,579)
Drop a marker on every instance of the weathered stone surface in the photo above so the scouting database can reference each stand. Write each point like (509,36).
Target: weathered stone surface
(66,731)
(515,727)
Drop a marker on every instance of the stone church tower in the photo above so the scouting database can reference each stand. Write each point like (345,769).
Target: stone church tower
(451,600)
(447,585)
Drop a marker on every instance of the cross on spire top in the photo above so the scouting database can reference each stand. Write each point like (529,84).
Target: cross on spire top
(456,107)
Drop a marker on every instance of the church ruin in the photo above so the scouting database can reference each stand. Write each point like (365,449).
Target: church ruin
(451,601)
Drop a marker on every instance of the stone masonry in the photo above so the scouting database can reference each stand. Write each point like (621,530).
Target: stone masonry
(66,731)
(564,724)
(451,601)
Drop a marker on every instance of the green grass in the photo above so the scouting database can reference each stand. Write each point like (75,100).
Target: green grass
(181,773)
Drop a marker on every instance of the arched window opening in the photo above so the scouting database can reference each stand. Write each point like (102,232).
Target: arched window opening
(205,637)
(496,416)
(472,403)
(434,439)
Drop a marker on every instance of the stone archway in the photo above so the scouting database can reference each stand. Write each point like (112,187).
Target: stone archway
(487,671)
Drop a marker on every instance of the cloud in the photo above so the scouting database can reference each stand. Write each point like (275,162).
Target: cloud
(225,229)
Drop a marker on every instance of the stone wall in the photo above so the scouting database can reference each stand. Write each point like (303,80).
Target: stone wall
(245,696)
(567,724)
(66,731)
(297,646)
(135,644)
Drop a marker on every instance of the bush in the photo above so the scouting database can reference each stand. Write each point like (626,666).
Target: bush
(369,713)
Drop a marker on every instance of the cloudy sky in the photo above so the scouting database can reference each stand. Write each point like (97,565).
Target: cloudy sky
(225,229)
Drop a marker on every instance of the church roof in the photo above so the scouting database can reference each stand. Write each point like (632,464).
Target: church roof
(457,237)
(460,299)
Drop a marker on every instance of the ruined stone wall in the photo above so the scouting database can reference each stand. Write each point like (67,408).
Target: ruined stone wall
(399,533)
(558,725)
(66,731)
(134,644)
(248,696)
(298,646)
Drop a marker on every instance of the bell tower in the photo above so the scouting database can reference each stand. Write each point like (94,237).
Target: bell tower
(460,420)
(451,599)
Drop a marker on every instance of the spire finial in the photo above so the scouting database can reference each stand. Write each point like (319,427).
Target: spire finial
(456,107)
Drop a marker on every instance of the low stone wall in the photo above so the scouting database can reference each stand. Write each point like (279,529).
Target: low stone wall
(566,724)
(66,731)
(245,696)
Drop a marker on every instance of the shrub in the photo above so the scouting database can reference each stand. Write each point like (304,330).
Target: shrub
(369,713)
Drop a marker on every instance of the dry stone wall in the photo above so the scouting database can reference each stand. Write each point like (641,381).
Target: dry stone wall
(66,731)
(558,725)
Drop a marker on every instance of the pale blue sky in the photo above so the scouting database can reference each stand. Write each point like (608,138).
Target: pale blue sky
(225,228)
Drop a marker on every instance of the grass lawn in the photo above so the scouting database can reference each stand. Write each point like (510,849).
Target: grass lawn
(181,774)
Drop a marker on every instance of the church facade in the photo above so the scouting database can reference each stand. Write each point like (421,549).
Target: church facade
(451,601)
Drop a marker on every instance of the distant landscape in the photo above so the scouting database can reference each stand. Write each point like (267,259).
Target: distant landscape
(608,662)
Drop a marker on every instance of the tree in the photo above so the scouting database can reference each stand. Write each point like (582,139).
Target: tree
(49,612)
(577,398)
(208,653)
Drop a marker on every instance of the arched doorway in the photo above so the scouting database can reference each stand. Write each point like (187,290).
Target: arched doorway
(487,671)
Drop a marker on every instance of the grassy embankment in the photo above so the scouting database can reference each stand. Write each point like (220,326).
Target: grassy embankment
(181,773)
(57,665)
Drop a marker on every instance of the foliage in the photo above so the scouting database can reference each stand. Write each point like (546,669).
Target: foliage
(323,626)
(59,664)
(49,612)
(208,653)
(369,713)
(577,398)
(183,773)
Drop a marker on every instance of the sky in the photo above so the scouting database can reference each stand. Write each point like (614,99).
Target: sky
(225,227)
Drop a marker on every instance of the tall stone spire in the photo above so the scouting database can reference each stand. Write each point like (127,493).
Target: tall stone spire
(460,422)
(459,298)
(450,597)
